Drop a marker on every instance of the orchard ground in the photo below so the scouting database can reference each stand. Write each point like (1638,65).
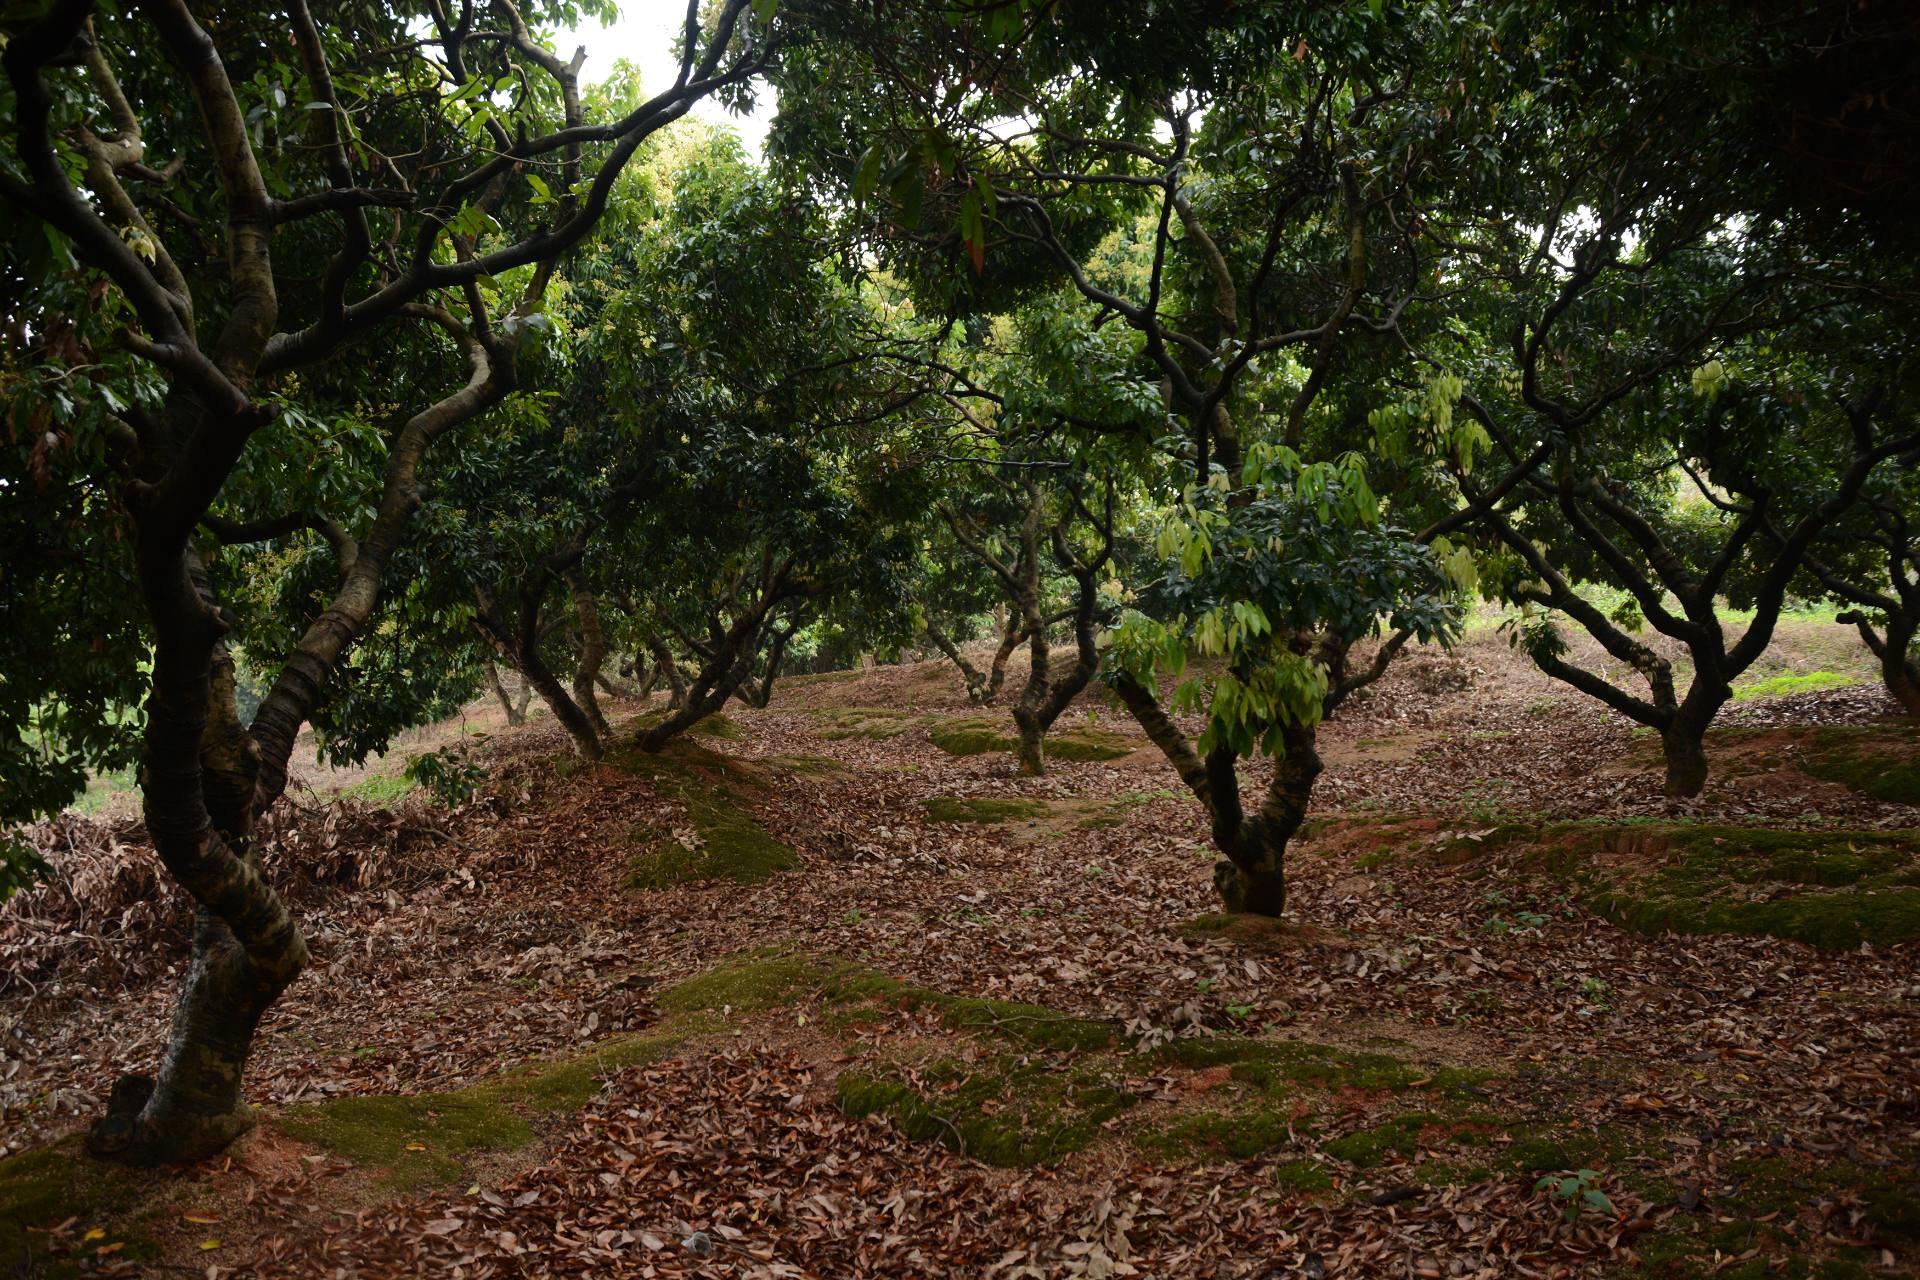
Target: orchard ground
(811,994)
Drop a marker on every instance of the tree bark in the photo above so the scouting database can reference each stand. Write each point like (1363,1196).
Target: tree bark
(593,649)
(516,712)
(666,668)
(520,646)
(1683,737)
(1899,672)
(1253,877)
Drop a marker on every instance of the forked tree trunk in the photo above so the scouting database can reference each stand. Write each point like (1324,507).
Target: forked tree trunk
(1252,875)
(593,650)
(1253,878)
(516,710)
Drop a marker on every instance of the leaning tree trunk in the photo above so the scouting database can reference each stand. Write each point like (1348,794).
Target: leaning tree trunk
(199,774)
(976,682)
(666,668)
(521,647)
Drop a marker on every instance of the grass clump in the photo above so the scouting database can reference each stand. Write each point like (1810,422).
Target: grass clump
(1782,686)
(379,791)
(983,809)
(1003,1111)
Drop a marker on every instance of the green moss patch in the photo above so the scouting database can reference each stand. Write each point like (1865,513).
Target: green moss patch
(1881,760)
(874,723)
(43,1188)
(414,1141)
(1001,1110)
(728,841)
(1763,1204)
(977,735)
(717,726)
(1282,1087)
(983,809)
(1277,1064)
(1831,889)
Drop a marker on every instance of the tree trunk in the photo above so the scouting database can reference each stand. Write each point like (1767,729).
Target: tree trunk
(976,682)
(593,650)
(520,645)
(1253,879)
(1686,756)
(1032,750)
(666,668)
(1898,670)
(1010,637)
(199,774)
(1029,713)
(580,728)
(516,715)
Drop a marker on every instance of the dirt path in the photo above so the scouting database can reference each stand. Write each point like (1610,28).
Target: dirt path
(1374,1088)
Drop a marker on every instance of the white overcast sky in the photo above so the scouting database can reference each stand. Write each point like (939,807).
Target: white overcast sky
(644,35)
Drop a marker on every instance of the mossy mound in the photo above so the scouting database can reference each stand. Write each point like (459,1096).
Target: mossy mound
(1830,889)
(1004,1111)
(729,842)
(44,1188)
(1277,1064)
(874,723)
(1281,1090)
(985,809)
(1783,686)
(1880,760)
(977,735)
(717,726)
